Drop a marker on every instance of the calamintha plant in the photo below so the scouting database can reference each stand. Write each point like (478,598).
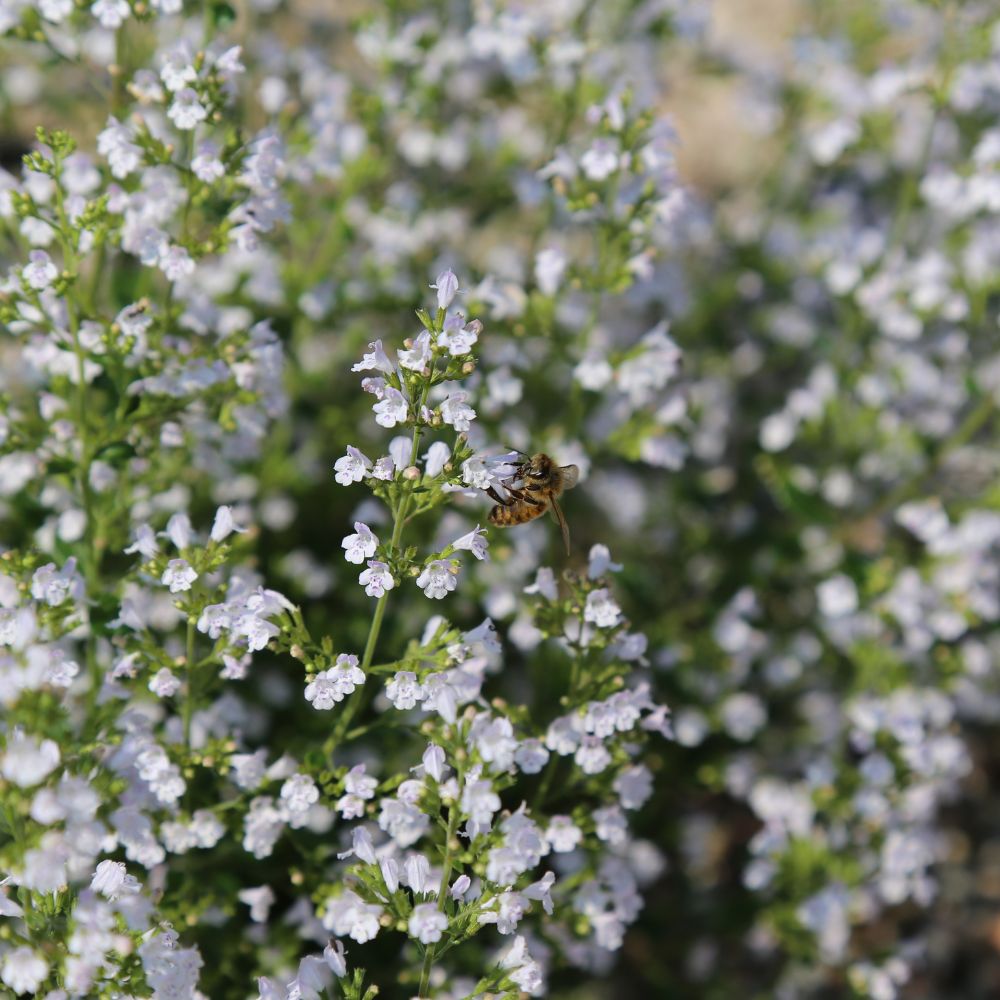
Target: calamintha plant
(291,291)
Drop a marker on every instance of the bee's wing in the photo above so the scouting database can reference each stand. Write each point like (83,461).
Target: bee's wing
(561,518)
(570,476)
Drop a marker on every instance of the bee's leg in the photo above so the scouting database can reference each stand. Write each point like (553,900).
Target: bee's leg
(491,492)
(563,526)
(526,498)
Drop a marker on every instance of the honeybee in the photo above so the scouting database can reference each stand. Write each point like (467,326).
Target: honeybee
(534,489)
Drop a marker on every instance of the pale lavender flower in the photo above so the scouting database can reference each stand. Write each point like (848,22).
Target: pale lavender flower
(458,337)
(224,524)
(40,272)
(436,458)
(427,923)
(418,357)
(376,579)
(111,880)
(458,413)
(446,285)
(186,109)
(333,685)
(404,691)
(375,360)
(361,545)
(475,542)
(178,576)
(391,409)
(164,684)
(351,468)
(601,609)
(438,578)
(111,14)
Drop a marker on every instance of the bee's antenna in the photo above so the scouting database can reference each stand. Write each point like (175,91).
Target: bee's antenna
(517,451)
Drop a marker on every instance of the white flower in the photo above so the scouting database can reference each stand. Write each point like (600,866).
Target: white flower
(600,562)
(550,266)
(361,545)
(358,787)
(601,160)
(427,923)
(541,890)
(479,802)
(40,272)
(54,586)
(55,10)
(525,972)
(115,143)
(460,887)
(837,596)
(403,821)
(26,761)
(611,825)
(179,531)
(391,409)
(351,468)
(359,783)
(110,13)
(111,880)
(298,793)
(376,579)
(333,685)
(511,907)
(457,337)
(601,609)
(164,684)
(403,690)
(563,834)
(176,263)
(545,584)
(177,67)
(447,288)
(634,785)
(23,971)
(592,755)
(207,166)
(436,458)
(455,411)
(333,954)
(348,915)
(375,360)
(439,578)
(178,576)
(260,899)
(418,357)
(361,846)
(475,542)
(434,762)
(224,525)
(531,756)
(743,715)
(186,110)
(257,631)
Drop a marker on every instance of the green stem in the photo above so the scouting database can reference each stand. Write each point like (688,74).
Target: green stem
(188,709)
(431,950)
(965,431)
(357,699)
(91,564)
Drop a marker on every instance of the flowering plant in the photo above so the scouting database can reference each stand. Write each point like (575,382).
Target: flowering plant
(290,295)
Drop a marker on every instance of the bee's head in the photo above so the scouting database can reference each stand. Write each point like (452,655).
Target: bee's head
(539,466)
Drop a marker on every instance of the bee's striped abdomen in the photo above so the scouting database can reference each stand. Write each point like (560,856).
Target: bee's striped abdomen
(515,513)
